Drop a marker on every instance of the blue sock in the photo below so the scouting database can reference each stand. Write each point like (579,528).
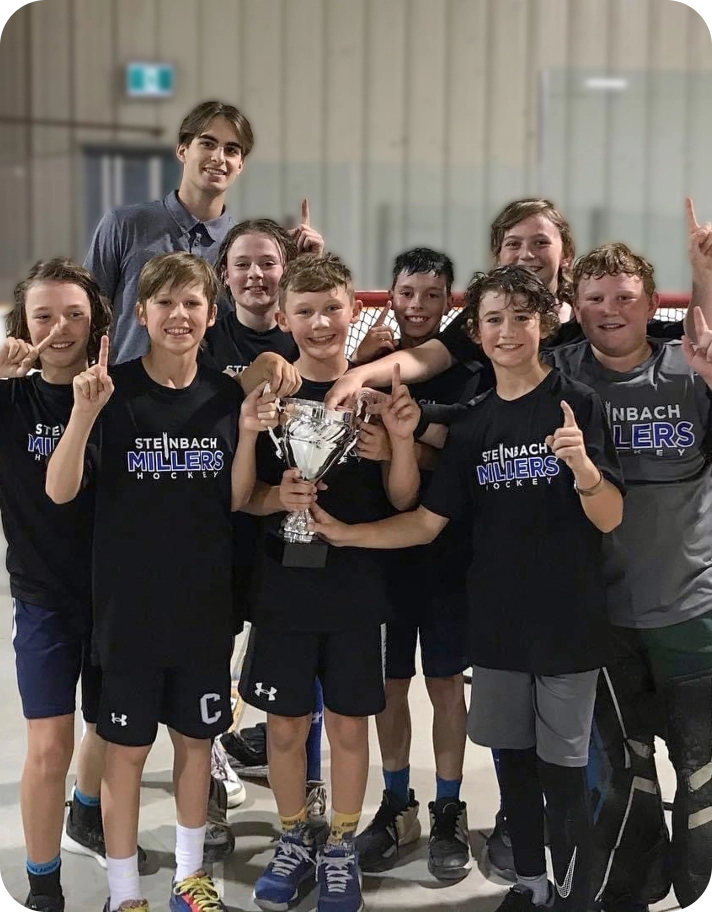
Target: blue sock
(314,737)
(398,782)
(86,800)
(47,867)
(495,757)
(447,788)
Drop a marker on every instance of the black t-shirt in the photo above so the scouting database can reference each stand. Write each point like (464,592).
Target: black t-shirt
(48,544)
(350,591)
(229,344)
(162,541)
(535,583)
(455,338)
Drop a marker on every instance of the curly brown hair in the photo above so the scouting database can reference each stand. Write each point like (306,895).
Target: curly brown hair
(521,209)
(511,280)
(311,272)
(614,259)
(269,228)
(176,269)
(67,272)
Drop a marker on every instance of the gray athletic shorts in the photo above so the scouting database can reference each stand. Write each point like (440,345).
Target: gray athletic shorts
(517,710)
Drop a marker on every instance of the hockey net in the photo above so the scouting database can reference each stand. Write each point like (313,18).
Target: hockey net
(672,307)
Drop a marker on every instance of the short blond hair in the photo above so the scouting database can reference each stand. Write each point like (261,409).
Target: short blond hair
(178,269)
(614,259)
(311,272)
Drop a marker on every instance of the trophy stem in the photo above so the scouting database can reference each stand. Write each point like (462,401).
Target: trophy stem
(295,527)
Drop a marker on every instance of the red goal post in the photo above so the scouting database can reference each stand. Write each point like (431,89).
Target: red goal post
(672,307)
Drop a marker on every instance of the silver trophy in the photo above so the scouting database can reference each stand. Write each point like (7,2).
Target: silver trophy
(312,438)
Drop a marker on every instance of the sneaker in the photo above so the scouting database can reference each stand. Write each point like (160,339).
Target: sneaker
(196,893)
(449,843)
(498,850)
(130,905)
(219,838)
(45,903)
(338,878)
(292,864)
(316,809)
(519,899)
(394,825)
(624,905)
(84,834)
(247,755)
(221,769)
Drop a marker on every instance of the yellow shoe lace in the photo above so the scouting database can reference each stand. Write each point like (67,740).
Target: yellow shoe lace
(200,888)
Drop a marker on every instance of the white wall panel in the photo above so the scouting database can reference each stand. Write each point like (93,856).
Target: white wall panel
(404,121)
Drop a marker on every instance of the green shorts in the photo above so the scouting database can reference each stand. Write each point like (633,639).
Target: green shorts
(680,649)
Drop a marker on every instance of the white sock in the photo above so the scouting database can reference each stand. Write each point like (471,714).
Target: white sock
(538,885)
(189,850)
(123,880)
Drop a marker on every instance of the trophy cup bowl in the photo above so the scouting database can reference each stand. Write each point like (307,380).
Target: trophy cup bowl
(310,438)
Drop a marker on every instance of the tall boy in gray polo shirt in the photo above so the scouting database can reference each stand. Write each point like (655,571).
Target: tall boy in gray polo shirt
(659,575)
(213,142)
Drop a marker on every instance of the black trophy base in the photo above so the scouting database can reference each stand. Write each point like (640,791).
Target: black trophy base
(297,554)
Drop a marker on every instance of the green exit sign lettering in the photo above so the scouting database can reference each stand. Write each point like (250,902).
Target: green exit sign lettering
(150,80)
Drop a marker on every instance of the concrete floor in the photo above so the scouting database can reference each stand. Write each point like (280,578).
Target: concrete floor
(407,887)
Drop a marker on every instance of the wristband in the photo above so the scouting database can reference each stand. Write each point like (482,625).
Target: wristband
(422,425)
(589,492)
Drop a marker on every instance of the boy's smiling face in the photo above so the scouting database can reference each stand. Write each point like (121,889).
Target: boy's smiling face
(253,270)
(536,244)
(50,303)
(212,160)
(508,331)
(319,321)
(176,317)
(420,300)
(613,311)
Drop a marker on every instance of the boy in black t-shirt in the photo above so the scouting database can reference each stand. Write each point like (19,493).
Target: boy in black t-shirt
(538,629)
(170,468)
(322,622)
(428,604)
(59,317)
(250,263)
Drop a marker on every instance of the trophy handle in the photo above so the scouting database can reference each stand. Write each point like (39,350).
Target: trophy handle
(279,405)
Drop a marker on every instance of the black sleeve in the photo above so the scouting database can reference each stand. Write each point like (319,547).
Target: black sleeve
(449,493)
(457,342)
(566,334)
(437,413)
(591,418)
(666,329)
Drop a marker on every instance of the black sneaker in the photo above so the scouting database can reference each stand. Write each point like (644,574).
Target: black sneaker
(449,843)
(395,825)
(84,834)
(247,753)
(498,850)
(219,838)
(519,899)
(45,903)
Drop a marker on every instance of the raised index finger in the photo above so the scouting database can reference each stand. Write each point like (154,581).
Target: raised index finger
(380,319)
(103,361)
(692,224)
(569,417)
(48,339)
(395,380)
(701,326)
(305,212)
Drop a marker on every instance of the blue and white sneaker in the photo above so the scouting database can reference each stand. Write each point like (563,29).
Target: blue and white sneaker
(339,878)
(293,864)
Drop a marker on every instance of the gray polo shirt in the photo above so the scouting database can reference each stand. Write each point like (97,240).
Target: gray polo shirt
(125,240)
(658,562)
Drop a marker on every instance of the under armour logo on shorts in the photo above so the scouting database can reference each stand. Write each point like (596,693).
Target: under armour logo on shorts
(269,692)
(120,720)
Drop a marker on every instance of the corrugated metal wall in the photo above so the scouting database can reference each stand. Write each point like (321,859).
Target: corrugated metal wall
(404,121)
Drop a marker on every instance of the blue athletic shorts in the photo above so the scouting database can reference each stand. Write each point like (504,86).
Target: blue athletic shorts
(443,637)
(52,654)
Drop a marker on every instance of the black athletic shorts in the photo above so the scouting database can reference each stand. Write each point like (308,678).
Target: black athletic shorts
(195,702)
(280,668)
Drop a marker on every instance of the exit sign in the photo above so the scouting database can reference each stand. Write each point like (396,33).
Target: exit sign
(150,80)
